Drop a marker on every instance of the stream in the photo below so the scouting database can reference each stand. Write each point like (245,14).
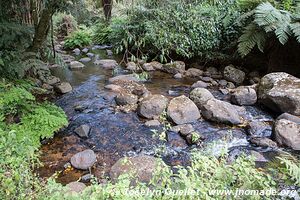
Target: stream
(116,134)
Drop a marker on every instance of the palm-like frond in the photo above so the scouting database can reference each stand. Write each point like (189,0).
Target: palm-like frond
(296,30)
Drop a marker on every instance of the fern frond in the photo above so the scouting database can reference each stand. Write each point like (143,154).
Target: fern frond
(295,27)
(252,36)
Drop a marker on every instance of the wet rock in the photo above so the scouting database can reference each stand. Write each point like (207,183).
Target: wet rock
(200,84)
(85,60)
(194,73)
(174,67)
(85,50)
(152,106)
(52,80)
(90,55)
(186,129)
(289,117)
(220,111)
(280,92)
(206,79)
(178,76)
(263,142)
(76,51)
(148,67)
(83,160)
(76,65)
(109,52)
(212,70)
(156,65)
(214,83)
(47,86)
(234,75)
(63,88)
(223,82)
(244,96)
(67,165)
(86,178)
(224,91)
(106,63)
(258,128)
(127,77)
(83,131)
(141,167)
(125,98)
(182,110)
(230,85)
(75,187)
(152,123)
(131,66)
(113,87)
(200,96)
(287,133)
(259,157)
(175,140)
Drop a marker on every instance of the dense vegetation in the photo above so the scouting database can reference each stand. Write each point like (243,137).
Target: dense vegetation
(160,30)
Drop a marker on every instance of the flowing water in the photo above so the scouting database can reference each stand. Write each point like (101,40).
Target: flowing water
(115,134)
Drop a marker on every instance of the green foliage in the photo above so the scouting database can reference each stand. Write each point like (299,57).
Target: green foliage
(19,141)
(63,23)
(79,38)
(269,22)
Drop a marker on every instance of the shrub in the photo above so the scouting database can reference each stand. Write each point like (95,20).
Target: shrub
(79,38)
(64,24)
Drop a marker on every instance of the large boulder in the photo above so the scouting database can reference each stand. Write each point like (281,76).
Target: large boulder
(83,160)
(76,65)
(289,117)
(244,96)
(106,63)
(142,168)
(200,96)
(220,111)
(182,110)
(280,92)
(193,72)
(234,75)
(174,67)
(287,133)
(152,106)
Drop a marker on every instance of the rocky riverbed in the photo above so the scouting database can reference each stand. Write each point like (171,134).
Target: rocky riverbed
(113,112)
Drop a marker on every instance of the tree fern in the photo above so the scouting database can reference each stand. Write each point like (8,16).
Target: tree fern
(295,27)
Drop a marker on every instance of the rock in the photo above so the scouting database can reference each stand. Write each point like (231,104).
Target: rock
(67,165)
(206,79)
(76,51)
(263,142)
(182,110)
(287,133)
(289,117)
(152,106)
(212,70)
(220,111)
(83,160)
(148,67)
(125,98)
(83,131)
(127,77)
(200,84)
(52,80)
(234,75)
(214,83)
(254,74)
(186,129)
(90,55)
(280,92)
(244,96)
(194,137)
(54,66)
(178,76)
(106,63)
(47,86)
(85,50)
(113,87)
(175,140)
(174,67)
(152,123)
(142,168)
(85,60)
(223,82)
(194,73)
(97,57)
(63,88)
(156,65)
(224,91)
(75,187)
(131,66)
(200,96)
(86,178)
(259,157)
(261,129)
(109,52)
(76,65)
(230,85)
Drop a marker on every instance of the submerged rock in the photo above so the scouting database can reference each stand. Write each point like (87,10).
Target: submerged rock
(280,92)
(287,133)
(152,106)
(142,168)
(83,160)
(83,131)
(174,67)
(258,128)
(63,88)
(106,63)
(234,75)
(182,110)
(244,96)
(175,140)
(263,142)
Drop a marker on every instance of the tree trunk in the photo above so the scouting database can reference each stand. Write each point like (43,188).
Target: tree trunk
(107,7)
